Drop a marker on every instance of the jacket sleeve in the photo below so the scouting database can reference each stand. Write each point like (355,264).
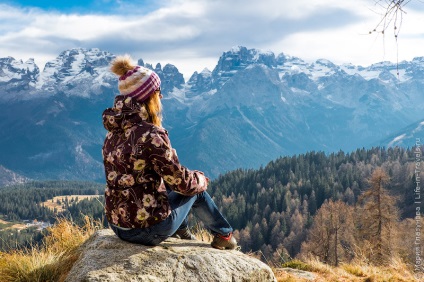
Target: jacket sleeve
(165,162)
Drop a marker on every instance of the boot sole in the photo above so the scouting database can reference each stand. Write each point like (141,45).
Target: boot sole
(219,248)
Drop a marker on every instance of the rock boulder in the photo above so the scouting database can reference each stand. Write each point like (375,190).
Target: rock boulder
(105,258)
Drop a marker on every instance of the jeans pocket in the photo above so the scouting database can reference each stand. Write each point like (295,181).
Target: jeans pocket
(136,235)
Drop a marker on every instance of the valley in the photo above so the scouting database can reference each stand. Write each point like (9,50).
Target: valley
(58,203)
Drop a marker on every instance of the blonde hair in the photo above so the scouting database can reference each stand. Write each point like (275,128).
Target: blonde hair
(154,108)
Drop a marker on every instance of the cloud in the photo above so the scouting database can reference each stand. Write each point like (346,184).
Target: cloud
(192,34)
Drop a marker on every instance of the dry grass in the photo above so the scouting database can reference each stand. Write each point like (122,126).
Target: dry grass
(396,271)
(11,225)
(52,203)
(283,276)
(4,222)
(53,260)
(203,235)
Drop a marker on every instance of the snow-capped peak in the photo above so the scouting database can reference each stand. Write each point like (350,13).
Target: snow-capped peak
(73,65)
(239,58)
(325,62)
(206,72)
(235,49)
(10,68)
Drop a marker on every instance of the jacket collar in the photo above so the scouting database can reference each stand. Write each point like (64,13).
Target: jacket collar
(125,113)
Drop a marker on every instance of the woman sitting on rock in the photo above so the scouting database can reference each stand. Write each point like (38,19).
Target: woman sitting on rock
(139,161)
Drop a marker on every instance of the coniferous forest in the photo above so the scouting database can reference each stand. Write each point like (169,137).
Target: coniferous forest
(323,204)
(338,206)
(25,202)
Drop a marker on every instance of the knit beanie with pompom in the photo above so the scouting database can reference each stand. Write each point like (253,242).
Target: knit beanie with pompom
(135,81)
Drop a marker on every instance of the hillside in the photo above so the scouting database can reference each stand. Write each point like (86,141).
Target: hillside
(26,210)
(273,209)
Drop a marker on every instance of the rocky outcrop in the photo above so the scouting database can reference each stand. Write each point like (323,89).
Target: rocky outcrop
(288,274)
(199,83)
(170,77)
(8,177)
(17,77)
(238,58)
(106,258)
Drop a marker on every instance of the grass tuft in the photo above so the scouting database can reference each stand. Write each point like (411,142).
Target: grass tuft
(297,264)
(202,234)
(360,271)
(354,270)
(53,260)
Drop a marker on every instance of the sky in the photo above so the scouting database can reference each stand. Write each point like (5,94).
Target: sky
(193,34)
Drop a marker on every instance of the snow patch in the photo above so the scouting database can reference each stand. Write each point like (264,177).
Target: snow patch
(324,62)
(178,94)
(419,128)
(211,92)
(259,52)
(41,156)
(299,91)
(206,72)
(295,69)
(235,49)
(396,139)
(403,76)
(8,76)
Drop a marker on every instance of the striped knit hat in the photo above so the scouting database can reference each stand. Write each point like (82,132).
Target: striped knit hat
(139,83)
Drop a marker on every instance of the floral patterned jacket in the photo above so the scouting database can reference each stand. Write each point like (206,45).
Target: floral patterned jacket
(138,159)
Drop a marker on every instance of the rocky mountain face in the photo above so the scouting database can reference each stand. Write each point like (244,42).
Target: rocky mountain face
(250,109)
(8,177)
(17,77)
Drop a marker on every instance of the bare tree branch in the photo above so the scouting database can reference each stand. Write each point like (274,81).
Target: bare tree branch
(393,11)
(393,14)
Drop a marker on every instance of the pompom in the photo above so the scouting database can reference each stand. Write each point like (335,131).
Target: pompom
(121,65)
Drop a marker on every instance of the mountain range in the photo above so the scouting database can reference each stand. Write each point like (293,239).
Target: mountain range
(253,107)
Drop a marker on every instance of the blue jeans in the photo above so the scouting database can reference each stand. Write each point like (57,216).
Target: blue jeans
(204,208)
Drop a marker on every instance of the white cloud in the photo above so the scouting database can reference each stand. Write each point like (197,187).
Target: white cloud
(192,34)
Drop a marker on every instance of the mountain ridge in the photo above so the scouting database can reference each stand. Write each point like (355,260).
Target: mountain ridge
(251,108)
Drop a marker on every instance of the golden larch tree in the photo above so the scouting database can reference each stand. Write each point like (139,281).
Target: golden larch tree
(378,217)
(331,236)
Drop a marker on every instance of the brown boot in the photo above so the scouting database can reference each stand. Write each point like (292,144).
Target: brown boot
(224,242)
(184,234)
